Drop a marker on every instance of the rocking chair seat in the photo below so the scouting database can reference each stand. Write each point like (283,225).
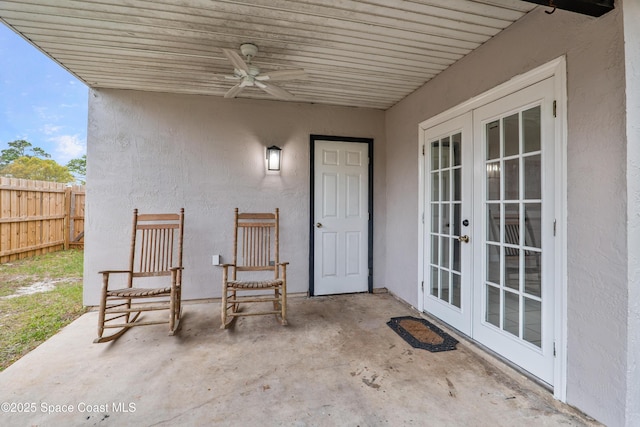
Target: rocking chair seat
(254,284)
(138,292)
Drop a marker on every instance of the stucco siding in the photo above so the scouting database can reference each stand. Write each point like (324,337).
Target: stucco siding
(596,181)
(161,152)
(632,69)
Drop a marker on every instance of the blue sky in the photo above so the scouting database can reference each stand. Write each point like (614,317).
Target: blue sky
(40,101)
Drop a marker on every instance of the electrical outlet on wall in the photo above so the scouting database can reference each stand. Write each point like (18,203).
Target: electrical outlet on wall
(216,260)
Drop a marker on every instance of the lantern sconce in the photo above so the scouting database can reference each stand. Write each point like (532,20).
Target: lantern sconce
(273,158)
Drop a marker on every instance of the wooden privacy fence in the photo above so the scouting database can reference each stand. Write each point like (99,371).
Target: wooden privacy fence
(37,217)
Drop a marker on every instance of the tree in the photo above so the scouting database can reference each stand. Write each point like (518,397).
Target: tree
(39,169)
(20,148)
(78,167)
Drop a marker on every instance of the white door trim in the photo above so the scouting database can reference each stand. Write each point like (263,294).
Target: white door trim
(555,69)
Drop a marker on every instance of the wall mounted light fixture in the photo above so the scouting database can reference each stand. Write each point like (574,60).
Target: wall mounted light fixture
(273,158)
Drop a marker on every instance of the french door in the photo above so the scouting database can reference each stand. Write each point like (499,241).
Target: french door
(489,239)
(449,162)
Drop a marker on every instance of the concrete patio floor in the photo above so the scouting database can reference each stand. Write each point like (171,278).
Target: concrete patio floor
(337,363)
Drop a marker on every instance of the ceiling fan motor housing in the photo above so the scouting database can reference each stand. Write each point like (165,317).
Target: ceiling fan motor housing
(249,50)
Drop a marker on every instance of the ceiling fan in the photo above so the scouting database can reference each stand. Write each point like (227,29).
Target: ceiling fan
(249,75)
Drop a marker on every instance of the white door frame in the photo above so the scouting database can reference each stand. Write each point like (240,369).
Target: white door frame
(369,141)
(556,70)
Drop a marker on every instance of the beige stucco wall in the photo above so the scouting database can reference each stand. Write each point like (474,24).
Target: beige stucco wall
(596,151)
(161,152)
(632,69)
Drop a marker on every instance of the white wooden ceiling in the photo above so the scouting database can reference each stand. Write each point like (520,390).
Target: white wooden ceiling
(369,53)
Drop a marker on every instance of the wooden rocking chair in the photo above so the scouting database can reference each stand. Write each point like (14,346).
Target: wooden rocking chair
(155,263)
(255,253)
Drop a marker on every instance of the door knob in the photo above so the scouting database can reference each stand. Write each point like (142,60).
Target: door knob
(464,238)
(319,225)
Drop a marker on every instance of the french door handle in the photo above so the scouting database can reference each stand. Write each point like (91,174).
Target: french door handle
(464,239)
(319,225)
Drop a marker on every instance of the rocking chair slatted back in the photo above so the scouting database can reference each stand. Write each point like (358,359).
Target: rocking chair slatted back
(154,251)
(257,236)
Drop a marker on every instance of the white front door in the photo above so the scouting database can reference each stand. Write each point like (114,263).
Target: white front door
(489,203)
(340,217)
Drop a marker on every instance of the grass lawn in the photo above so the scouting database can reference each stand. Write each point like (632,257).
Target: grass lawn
(38,296)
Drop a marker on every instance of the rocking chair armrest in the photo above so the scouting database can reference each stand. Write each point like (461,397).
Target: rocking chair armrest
(105,277)
(225,268)
(284,263)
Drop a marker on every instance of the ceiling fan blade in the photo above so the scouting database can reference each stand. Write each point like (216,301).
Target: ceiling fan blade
(283,75)
(276,91)
(246,82)
(236,60)
(234,91)
(226,77)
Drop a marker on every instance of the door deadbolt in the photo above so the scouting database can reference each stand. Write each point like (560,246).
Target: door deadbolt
(465,222)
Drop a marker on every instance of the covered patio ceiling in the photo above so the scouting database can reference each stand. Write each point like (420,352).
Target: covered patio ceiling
(356,53)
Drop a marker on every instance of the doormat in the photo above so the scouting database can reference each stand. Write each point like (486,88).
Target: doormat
(421,333)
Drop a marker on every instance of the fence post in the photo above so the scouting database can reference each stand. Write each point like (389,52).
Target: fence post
(67,217)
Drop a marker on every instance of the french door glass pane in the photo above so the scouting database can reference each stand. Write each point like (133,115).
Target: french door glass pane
(532,218)
(444,285)
(493,181)
(532,177)
(533,273)
(511,319)
(445,185)
(531,129)
(435,155)
(434,249)
(457,185)
(493,140)
(493,305)
(446,220)
(512,268)
(455,290)
(493,264)
(511,179)
(455,265)
(445,147)
(511,135)
(493,222)
(456,145)
(456,218)
(532,322)
(435,186)
(444,256)
(435,217)
(434,281)
(512,223)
